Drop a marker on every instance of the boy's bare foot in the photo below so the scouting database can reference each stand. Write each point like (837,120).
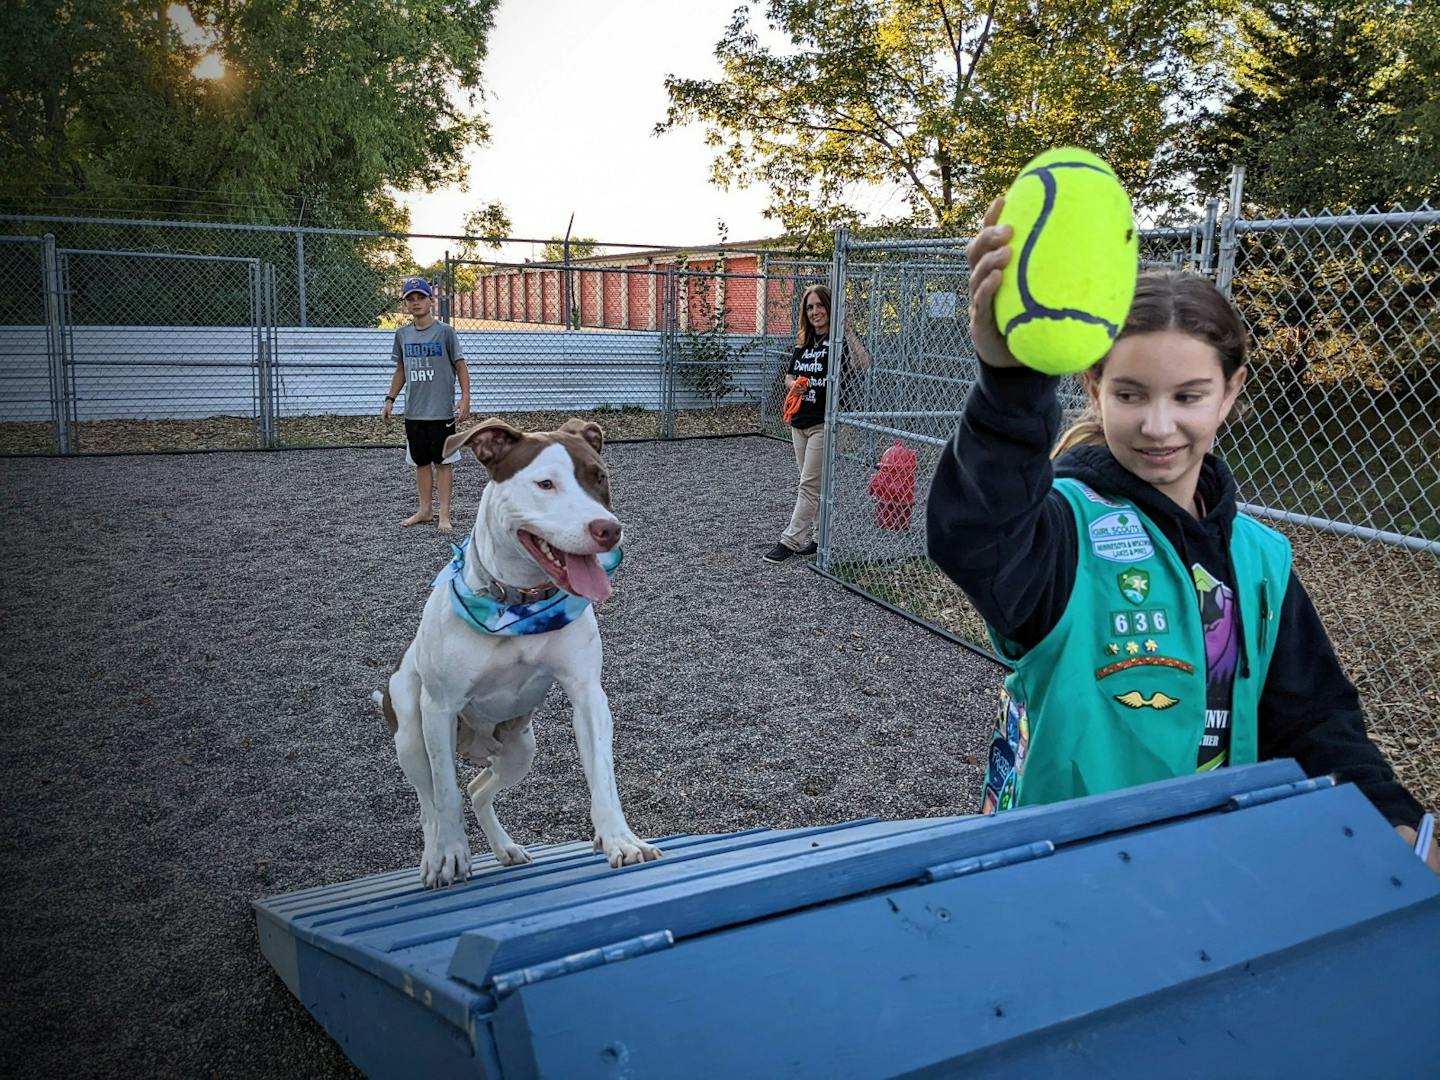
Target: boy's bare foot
(417,518)
(445,524)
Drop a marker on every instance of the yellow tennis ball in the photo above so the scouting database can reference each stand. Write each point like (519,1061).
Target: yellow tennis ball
(1074,258)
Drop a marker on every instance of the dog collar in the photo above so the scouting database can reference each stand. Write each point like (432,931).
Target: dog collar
(504,609)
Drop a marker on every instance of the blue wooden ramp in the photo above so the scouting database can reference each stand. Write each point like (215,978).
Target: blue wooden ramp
(1248,922)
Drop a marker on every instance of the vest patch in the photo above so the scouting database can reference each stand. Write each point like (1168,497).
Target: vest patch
(1008,747)
(1120,538)
(1145,621)
(1136,700)
(1143,661)
(1134,585)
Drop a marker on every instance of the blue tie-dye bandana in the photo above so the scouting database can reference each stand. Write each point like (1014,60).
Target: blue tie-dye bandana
(491,616)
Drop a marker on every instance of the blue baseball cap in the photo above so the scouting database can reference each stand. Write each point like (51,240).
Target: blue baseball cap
(416,284)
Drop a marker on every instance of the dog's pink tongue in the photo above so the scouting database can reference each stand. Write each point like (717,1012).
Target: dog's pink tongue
(586,577)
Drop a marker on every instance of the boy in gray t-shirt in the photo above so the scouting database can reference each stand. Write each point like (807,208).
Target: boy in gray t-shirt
(427,365)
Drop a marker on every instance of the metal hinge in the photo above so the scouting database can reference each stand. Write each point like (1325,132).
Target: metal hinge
(991,860)
(506,981)
(1279,791)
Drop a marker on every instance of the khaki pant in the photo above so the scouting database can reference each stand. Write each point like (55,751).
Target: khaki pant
(809,452)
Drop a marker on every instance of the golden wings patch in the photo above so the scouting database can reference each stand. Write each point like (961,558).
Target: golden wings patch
(1136,700)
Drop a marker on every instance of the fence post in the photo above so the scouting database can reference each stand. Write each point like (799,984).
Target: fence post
(55,346)
(835,364)
(263,384)
(300,275)
(448,286)
(272,336)
(571,323)
(1207,237)
(1225,273)
(669,346)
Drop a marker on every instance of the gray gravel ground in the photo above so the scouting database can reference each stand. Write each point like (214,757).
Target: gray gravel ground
(190,645)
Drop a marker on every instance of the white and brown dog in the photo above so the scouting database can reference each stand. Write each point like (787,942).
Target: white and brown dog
(511,616)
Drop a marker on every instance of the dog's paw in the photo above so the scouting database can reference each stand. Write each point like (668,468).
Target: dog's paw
(511,855)
(626,849)
(445,862)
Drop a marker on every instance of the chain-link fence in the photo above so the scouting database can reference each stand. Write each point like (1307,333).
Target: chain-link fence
(181,335)
(1337,442)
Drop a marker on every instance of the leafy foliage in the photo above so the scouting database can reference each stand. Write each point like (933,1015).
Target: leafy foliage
(1330,104)
(943,101)
(581,247)
(708,356)
(324,106)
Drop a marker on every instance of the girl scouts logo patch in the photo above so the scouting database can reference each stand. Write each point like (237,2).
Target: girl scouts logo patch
(1120,538)
(1135,585)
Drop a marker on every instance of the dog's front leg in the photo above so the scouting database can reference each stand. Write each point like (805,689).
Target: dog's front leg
(448,860)
(594,734)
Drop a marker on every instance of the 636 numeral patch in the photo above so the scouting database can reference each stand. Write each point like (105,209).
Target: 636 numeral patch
(1140,621)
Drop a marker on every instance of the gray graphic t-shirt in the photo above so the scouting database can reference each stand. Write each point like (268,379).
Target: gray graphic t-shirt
(429,356)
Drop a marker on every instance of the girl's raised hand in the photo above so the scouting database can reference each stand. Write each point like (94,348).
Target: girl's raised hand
(988,254)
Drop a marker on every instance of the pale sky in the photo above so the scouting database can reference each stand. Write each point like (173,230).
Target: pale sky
(573,90)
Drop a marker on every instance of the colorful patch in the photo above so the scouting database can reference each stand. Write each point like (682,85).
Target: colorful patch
(1144,621)
(1136,700)
(1132,647)
(1008,747)
(1134,585)
(1143,661)
(1120,538)
(1112,649)
(1095,497)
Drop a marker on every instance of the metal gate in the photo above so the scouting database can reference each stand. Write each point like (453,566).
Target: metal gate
(189,337)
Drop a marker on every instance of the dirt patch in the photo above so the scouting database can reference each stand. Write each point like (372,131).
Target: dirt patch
(193,640)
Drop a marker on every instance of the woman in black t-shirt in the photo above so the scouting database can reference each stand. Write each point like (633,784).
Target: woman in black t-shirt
(810,361)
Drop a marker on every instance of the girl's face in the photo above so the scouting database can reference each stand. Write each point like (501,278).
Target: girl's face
(1162,397)
(818,314)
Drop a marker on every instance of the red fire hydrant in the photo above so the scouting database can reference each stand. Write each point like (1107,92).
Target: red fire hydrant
(893,488)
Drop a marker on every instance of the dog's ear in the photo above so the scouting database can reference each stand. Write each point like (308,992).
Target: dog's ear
(588,430)
(490,440)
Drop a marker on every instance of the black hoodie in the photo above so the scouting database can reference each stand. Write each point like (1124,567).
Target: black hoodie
(1009,541)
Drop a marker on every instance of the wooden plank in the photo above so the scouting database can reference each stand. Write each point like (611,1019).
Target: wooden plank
(447,913)
(742,890)
(1211,945)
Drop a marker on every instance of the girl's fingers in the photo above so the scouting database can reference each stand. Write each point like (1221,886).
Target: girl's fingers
(993,260)
(988,239)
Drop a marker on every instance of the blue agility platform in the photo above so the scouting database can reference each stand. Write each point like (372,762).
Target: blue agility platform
(1247,922)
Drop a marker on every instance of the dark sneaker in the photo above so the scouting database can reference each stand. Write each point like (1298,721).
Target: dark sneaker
(779,553)
(809,549)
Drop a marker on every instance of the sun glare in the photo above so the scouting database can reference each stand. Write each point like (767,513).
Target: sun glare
(210,67)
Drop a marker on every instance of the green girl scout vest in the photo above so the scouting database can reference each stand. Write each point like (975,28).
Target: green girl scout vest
(1114,695)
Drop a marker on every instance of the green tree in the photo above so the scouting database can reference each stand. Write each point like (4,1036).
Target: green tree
(324,106)
(943,100)
(1335,105)
(1330,104)
(581,247)
(485,227)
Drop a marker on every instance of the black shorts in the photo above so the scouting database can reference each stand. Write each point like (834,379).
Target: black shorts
(425,439)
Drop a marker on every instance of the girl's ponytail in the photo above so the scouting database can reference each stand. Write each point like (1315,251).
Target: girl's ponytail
(1085,431)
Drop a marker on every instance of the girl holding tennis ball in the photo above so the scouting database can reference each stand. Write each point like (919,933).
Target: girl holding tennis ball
(1150,629)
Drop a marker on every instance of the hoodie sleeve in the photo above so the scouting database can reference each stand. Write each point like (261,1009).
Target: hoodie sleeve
(994,524)
(1310,711)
